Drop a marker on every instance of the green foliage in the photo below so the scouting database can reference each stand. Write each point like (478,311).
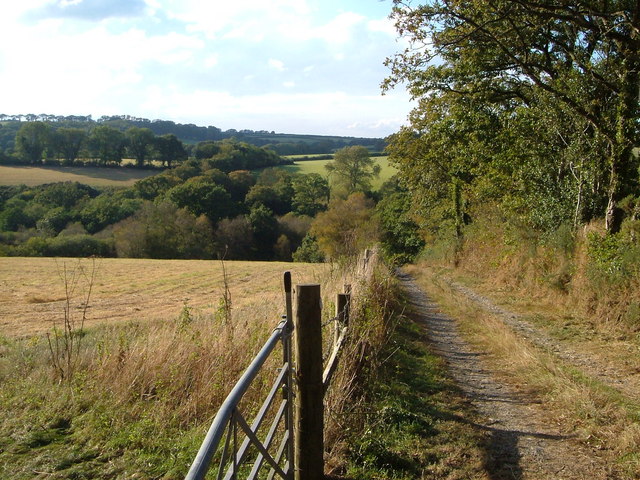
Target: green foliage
(31,141)
(63,194)
(54,221)
(107,144)
(353,169)
(614,257)
(552,105)
(13,217)
(169,149)
(242,156)
(66,246)
(139,142)
(310,194)
(309,251)
(201,196)
(108,208)
(264,227)
(68,142)
(164,231)
(347,228)
(206,149)
(400,239)
(157,185)
(234,238)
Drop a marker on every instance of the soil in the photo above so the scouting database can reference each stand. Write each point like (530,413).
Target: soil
(524,444)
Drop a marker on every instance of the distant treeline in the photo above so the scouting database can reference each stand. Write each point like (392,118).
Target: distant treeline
(282,144)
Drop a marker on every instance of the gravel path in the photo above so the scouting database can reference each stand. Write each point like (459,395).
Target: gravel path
(524,444)
(607,373)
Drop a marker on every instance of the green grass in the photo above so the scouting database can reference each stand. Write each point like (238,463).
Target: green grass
(317,166)
(99,177)
(418,424)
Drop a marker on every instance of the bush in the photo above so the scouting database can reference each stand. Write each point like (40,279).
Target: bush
(66,246)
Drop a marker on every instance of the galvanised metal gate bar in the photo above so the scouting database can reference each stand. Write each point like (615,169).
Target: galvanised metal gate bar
(230,420)
(299,455)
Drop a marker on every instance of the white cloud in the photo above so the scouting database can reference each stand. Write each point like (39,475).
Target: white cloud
(204,65)
(329,113)
(384,25)
(211,60)
(276,64)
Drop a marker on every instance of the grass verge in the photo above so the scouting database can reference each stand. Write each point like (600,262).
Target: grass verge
(406,419)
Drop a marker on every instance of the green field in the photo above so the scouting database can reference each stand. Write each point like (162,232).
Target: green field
(99,177)
(317,166)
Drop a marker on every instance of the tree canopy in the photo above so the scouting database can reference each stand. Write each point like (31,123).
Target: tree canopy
(353,169)
(566,73)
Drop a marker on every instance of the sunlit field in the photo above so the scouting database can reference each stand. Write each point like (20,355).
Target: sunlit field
(32,297)
(98,177)
(317,166)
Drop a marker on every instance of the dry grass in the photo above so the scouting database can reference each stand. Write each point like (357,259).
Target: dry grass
(99,177)
(32,293)
(598,415)
(148,381)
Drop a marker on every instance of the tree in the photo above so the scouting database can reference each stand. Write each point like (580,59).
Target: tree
(584,55)
(309,251)
(31,141)
(151,187)
(163,230)
(139,143)
(108,209)
(310,194)
(353,169)
(107,144)
(264,227)
(68,143)
(348,227)
(400,238)
(234,238)
(240,181)
(200,196)
(170,149)
(206,149)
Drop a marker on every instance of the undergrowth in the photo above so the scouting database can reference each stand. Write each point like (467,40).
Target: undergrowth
(404,418)
(142,394)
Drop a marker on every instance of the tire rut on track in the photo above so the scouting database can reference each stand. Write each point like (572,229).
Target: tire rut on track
(589,365)
(523,443)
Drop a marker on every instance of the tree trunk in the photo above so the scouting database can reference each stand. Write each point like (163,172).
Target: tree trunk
(622,150)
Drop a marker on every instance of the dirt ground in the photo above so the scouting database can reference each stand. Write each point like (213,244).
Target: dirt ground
(33,298)
(525,443)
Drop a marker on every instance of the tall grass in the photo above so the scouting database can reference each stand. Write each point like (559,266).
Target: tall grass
(144,393)
(585,272)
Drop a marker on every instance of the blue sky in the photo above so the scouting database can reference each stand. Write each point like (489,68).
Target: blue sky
(294,66)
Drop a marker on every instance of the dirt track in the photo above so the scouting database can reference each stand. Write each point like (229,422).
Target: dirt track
(524,443)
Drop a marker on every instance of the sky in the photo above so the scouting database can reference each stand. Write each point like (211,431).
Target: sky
(293,66)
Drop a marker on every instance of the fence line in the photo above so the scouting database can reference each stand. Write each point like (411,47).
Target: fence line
(298,425)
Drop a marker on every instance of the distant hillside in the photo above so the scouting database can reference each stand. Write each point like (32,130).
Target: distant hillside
(281,143)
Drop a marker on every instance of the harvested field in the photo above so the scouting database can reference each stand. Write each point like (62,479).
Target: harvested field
(32,290)
(97,177)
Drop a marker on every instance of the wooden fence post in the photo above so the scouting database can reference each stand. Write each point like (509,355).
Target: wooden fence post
(309,411)
(287,347)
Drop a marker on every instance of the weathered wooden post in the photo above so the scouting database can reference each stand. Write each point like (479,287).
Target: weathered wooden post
(309,411)
(287,343)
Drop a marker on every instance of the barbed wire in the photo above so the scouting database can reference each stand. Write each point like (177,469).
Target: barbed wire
(329,321)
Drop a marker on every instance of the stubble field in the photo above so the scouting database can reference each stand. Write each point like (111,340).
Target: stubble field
(97,177)
(32,290)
